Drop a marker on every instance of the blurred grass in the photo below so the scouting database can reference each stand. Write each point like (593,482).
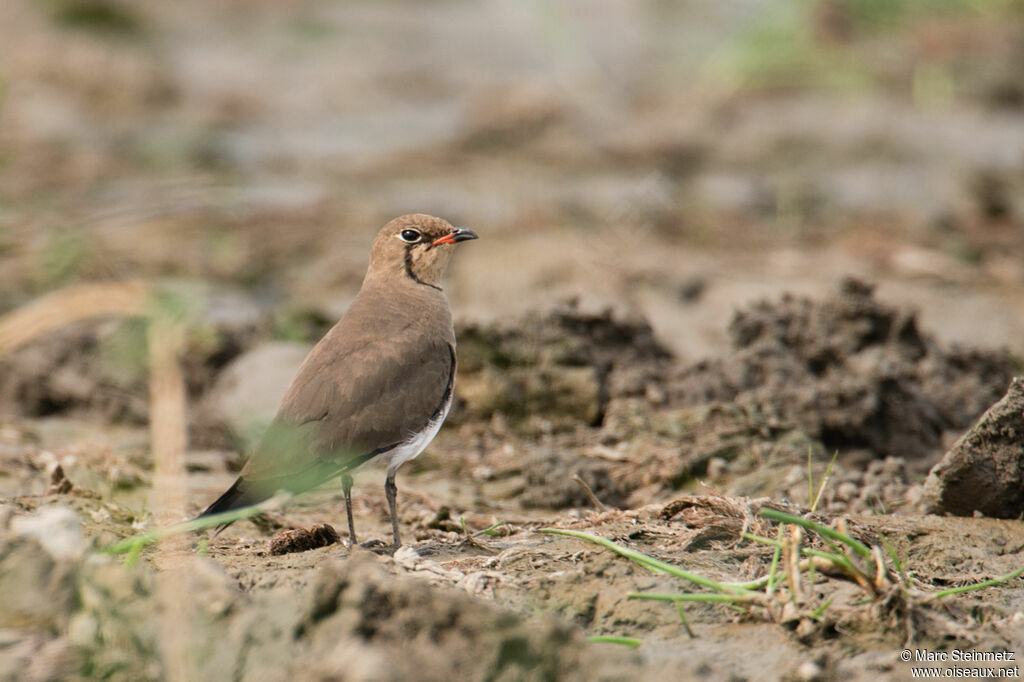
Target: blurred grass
(834,45)
(97,16)
(63,258)
(301,325)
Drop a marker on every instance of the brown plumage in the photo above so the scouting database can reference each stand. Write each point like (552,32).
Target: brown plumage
(379,384)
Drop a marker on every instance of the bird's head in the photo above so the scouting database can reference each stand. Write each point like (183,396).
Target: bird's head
(416,247)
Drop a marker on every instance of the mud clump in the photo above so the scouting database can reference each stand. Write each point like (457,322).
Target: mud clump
(357,615)
(98,369)
(851,372)
(562,366)
(984,471)
(845,374)
(303,540)
(551,482)
(70,373)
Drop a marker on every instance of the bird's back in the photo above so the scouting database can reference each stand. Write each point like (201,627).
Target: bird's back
(374,381)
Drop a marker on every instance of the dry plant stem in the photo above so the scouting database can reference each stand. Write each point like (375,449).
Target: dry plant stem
(167,433)
(881,572)
(775,563)
(470,539)
(167,418)
(824,480)
(165,338)
(70,305)
(590,493)
(791,556)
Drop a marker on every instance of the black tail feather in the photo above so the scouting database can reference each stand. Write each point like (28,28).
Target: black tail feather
(243,493)
(233,498)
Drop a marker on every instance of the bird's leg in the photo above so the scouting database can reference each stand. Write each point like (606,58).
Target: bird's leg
(391,490)
(346,487)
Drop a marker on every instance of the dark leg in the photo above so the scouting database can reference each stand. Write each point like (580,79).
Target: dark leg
(391,490)
(346,487)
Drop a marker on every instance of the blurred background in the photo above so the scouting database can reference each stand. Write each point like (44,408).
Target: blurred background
(678,158)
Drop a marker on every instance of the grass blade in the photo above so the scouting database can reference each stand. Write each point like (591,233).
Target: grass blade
(135,543)
(648,562)
(978,586)
(750,598)
(824,531)
(612,639)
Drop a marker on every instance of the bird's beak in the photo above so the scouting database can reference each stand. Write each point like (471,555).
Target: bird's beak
(459,234)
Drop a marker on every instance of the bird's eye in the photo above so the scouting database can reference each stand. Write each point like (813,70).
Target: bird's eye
(410,236)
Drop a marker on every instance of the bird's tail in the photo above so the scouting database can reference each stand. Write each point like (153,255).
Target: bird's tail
(233,498)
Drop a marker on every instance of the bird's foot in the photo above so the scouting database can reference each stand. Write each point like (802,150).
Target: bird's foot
(376,546)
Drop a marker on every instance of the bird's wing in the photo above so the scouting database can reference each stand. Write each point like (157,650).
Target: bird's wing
(349,403)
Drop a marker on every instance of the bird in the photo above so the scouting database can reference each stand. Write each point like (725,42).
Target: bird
(378,385)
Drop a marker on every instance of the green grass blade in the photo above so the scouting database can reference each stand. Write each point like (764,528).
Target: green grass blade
(824,531)
(135,543)
(611,639)
(810,478)
(489,530)
(762,540)
(647,562)
(891,551)
(978,586)
(816,614)
(690,596)
(824,481)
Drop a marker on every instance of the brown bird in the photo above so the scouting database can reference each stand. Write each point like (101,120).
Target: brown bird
(378,385)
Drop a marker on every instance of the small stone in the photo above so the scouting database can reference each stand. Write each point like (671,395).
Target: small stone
(717,467)
(809,671)
(57,529)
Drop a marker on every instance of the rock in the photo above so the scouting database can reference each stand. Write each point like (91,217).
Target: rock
(34,657)
(246,395)
(984,470)
(36,590)
(57,529)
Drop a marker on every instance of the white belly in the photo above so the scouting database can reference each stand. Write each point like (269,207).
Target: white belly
(411,448)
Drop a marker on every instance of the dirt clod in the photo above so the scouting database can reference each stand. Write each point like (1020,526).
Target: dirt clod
(850,371)
(303,540)
(562,365)
(59,483)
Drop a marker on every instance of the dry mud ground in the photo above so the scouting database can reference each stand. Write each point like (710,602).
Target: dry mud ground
(680,456)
